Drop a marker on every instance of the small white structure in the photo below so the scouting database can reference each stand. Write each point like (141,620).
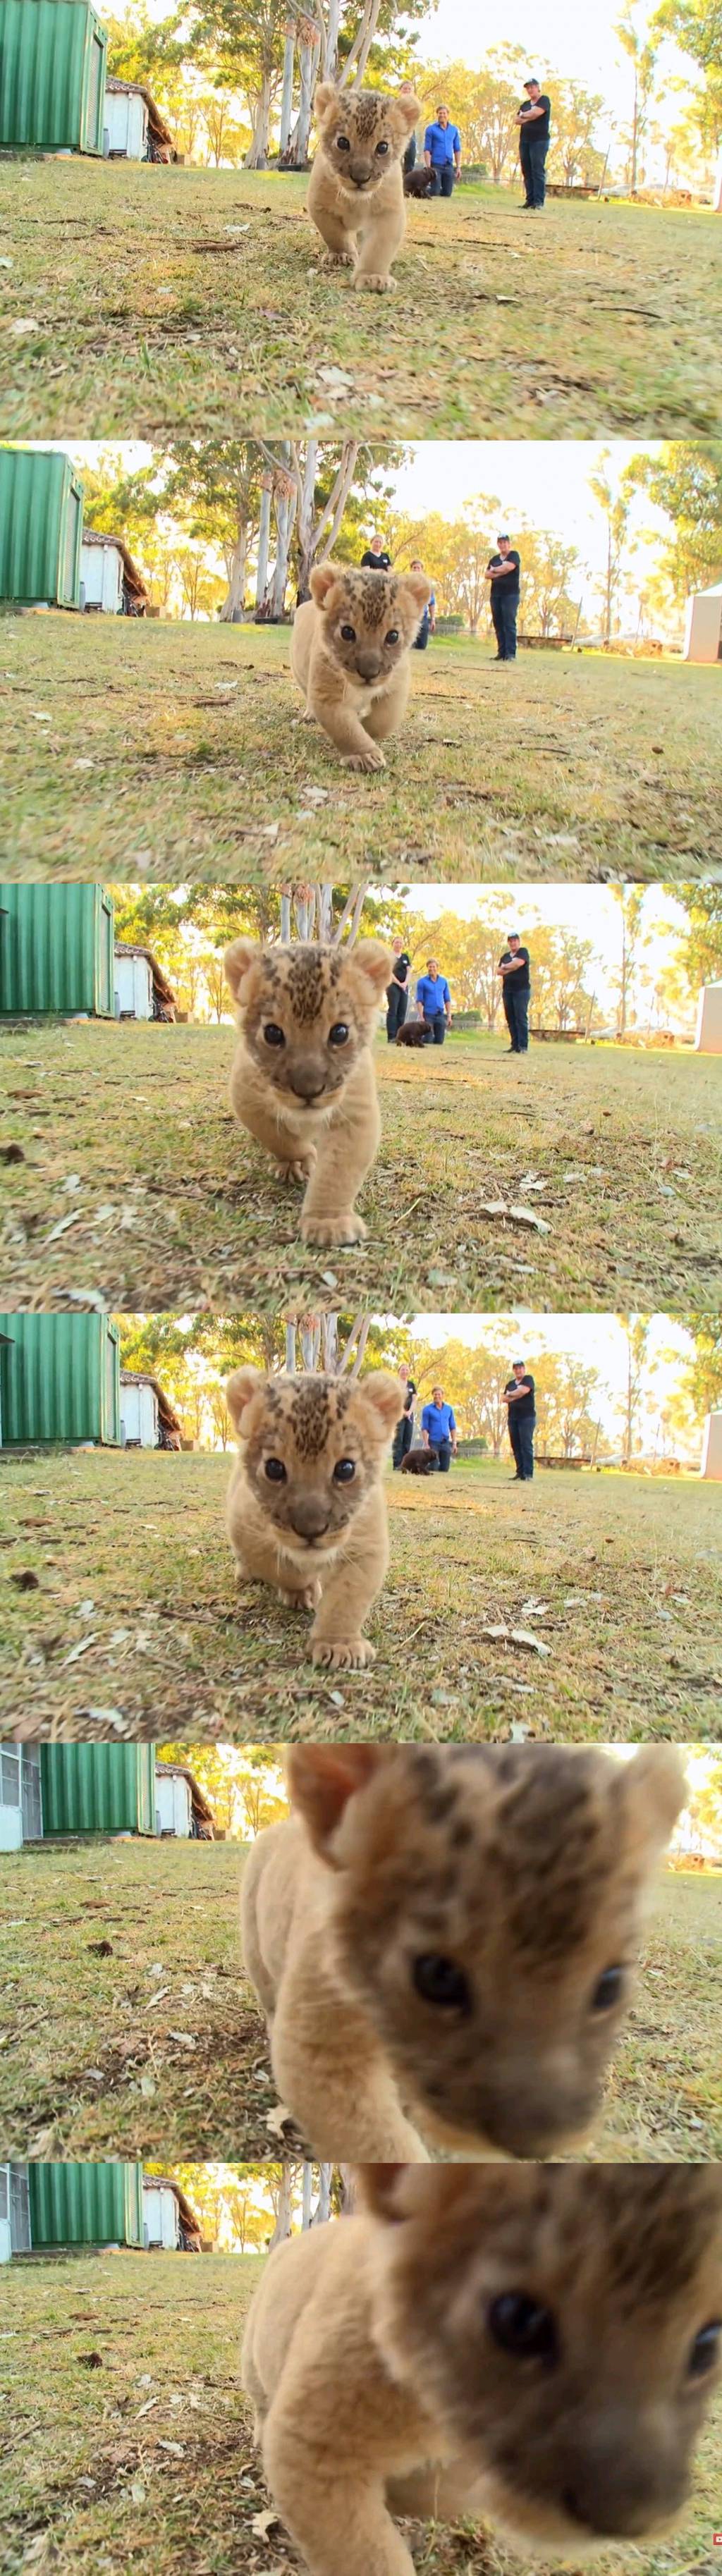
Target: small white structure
(126,120)
(703,628)
(133,981)
(161,2216)
(21,1805)
(708,1040)
(101,575)
(173,1801)
(712,1448)
(15,2231)
(138,1410)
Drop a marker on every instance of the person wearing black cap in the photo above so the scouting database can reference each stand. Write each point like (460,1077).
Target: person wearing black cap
(515,973)
(520,1401)
(503,573)
(533,120)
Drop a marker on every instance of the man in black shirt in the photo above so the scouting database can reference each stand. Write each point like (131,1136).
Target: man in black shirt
(503,573)
(520,1402)
(515,972)
(375,560)
(403,1439)
(533,120)
(397,992)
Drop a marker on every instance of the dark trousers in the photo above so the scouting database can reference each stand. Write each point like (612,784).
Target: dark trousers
(516,1007)
(504,612)
(521,1435)
(421,640)
(403,1439)
(441,1450)
(437,1027)
(442,180)
(397,1001)
(532,154)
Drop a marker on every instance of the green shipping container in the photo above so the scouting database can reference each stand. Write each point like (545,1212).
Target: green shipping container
(57,945)
(59,1379)
(41,524)
(52,76)
(86,2204)
(98,1788)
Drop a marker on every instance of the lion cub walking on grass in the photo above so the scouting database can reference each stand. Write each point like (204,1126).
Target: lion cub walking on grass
(302,1078)
(356,188)
(447,1936)
(350,648)
(535,2349)
(306,1506)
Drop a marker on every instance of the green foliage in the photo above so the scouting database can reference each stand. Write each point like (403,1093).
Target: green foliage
(684,479)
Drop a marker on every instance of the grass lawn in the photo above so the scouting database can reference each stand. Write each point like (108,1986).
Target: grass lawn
(132,1566)
(177,748)
(177,1206)
(147,2460)
(166,300)
(158,2050)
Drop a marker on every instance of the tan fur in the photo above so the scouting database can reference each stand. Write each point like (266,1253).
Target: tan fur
(311,1103)
(527,1867)
(321,1541)
(356,195)
(381,2386)
(355,682)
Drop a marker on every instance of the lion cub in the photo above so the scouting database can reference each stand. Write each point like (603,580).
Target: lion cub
(356,188)
(452,1933)
(306,1506)
(302,1078)
(350,647)
(537,2348)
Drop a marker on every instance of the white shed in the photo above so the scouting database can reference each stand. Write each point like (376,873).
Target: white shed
(703,630)
(173,1801)
(101,574)
(161,2219)
(126,120)
(133,979)
(138,1410)
(708,1040)
(15,2230)
(21,1805)
(712,1448)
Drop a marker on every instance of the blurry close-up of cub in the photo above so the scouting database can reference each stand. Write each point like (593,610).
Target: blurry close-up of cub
(445,1940)
(536,2350)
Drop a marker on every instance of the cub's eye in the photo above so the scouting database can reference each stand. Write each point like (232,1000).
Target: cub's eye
(382,147)
(349,634)
(275,1471)
(440,1982)
(338,1035)
(344,1471)
(393,635)
(342,143)
(523,2328)
(608,1990)
(273,1035)
(705,2349)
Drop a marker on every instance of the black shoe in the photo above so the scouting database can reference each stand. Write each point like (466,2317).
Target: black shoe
(512,1050)
(517,1480)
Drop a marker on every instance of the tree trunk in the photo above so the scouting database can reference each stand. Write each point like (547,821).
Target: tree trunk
(305,533)
(322,2210)
(306,2182)
(285,498)
(287,90)
(291,1349)
(257,154)
(282,2227)
(330,50)
(308,53)
(264,533)
(357,58)
(237,576)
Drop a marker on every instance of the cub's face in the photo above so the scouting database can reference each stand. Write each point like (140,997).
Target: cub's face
(370,619)
(362,133)
(307,1012)
(565,2324)
(487,1906)
(313,1447)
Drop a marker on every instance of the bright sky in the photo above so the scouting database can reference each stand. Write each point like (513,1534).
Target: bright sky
(545,484)
(576,43)
(597,1341)
(591,913)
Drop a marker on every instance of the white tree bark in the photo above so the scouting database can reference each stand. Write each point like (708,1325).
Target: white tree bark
(237,576)
(260,108)
(285,503)
(282,2227)
(287,90)
(322,2210)
(306,2188)
(353,69)
(264,533)
(309,43)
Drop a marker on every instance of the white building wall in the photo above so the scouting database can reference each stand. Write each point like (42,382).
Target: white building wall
(712,1448)
(709,1020)
(173,1811)
(160,2217)
(703,626)
(133,983)
(126,124)
(101,573)
(11,1828)
(139,1415)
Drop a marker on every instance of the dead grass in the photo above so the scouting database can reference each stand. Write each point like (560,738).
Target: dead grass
(177,1208)
(156,2049)
(92,2482)
(177,750)
(132,1566)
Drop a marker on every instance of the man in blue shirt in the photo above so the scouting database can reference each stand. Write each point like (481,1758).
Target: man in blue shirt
(438,1429)
(433,1002)
(442,153)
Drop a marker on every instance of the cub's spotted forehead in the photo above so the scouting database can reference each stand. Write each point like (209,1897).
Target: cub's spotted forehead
(306,1407)
(366,114)
(656,2232)
(308,975)
(372,596)
(541,1823)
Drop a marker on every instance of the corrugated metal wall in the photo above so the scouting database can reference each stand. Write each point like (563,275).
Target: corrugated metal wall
(41,523)
(98,1788)
(60,1379)
(86,2204)
(52,75)
(57,949)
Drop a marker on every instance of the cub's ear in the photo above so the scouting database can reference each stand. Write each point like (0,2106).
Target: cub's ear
(321,1779)
(417,588)
(322,581)
(408,109)
(242,955)
(374,962)
(383,1398)
(242,1393)
(654,1788)
(324,96)
(380,2189)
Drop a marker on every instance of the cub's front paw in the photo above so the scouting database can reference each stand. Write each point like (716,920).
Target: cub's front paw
(371,759)
(300,1171)
(374,282)
(347,1654)
(325,1230)
(337,259)
(308,1600)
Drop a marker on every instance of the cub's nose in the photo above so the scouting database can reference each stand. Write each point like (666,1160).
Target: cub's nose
(368,665)
(309,1518)
(360,173)
(307,1086)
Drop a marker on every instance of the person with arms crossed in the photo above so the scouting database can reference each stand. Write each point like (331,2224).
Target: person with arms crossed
(520,1401)
(397,992)
(442,153)
(503,573)
(433,1002)
(438,1429)
(533,120)
(376,558)
(515,971)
